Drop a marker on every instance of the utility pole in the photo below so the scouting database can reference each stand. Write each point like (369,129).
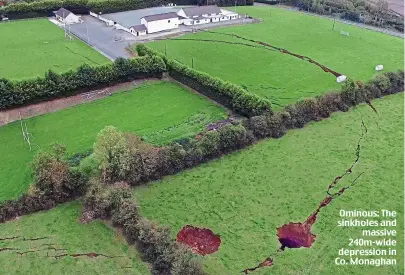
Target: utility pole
(192,62)
(334,21)
(165,49)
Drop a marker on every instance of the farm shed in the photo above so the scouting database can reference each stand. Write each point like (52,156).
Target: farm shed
(161,22)
(138,30)
(66,17)
(204,15)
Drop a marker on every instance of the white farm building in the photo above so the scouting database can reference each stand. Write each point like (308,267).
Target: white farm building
(153,23)
(66,17)
(161,22)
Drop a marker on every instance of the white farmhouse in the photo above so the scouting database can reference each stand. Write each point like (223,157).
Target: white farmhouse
(161,22)
(66,17)
(138,30)
(204,14)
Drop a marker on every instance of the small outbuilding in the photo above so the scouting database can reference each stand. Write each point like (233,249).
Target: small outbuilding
(138,30)
(66,17)
(161,22)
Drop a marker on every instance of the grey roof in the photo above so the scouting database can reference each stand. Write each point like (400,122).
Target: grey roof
(62,12)
(161,16)
(139,28)
(193,11)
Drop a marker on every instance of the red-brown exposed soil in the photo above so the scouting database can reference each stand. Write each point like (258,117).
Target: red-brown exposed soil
(201,240)
(8,116)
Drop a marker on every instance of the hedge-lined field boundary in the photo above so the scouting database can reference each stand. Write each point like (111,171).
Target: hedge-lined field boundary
(123,159)
(85,78)
(228,94)
(156,162)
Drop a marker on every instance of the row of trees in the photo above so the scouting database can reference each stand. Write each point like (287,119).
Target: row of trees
(376,14)
(228,94)
(85,78)
(33,8)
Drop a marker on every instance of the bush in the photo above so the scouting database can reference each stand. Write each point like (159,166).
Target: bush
(54,85)
(232,137)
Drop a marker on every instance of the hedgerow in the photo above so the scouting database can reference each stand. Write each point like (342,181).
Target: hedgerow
(85,78)
(228,94)
(32,9)
(155,244)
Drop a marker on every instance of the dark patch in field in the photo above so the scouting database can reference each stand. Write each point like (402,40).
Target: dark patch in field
(201,240)
(296,235)
(310,60)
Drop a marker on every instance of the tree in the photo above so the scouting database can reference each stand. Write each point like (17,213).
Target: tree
(112,154)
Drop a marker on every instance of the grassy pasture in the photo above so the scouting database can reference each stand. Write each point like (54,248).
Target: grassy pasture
(280,77)
(63,230)
(245,196)
(29,48)
(159,111)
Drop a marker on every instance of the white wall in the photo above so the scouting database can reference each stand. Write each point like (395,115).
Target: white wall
(201,21)
(188,22)
(161,25)
(223,18)
(215,19)
(71,18)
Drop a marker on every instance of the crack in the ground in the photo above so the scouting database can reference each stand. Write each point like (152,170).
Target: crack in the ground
(10,238)
(221,41)
(310,60)
(296,235)
(23,238)
(89,255)
(7,249)
(371,106)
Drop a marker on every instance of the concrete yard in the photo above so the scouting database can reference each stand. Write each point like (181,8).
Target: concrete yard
(131,18)
(113,43)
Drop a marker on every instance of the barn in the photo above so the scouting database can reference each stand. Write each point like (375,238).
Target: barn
(161,22)
(66,17)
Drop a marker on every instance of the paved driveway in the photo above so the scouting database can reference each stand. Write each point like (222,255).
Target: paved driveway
(107,40)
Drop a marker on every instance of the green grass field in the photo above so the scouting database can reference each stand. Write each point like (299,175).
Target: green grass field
(29,48)
(280,77)
(160,112)
(62,229)
(245,196)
